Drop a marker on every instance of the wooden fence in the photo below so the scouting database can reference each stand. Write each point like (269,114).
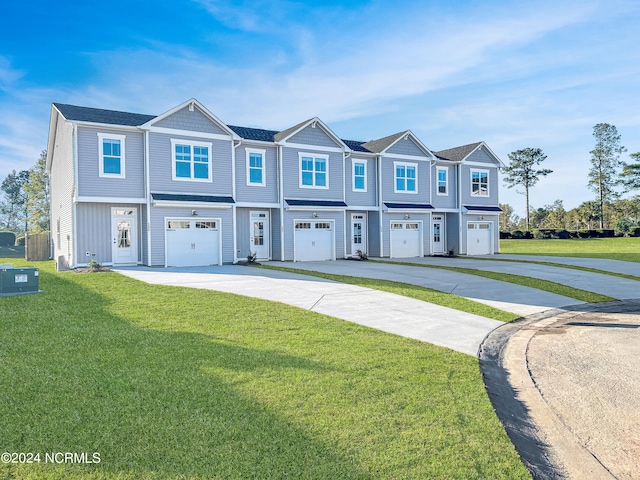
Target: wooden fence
(37,246)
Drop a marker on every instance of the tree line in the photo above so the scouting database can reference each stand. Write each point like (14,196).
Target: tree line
(609,178)
(24,199)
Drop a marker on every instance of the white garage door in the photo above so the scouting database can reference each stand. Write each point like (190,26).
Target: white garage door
(406,239)
(314,240)
(191,243)
(479,238)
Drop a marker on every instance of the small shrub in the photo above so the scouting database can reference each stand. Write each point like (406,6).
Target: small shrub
(252,257)
(563,234)
(505,235)
(634,232)
(7,239)
(362,255)
(94,266)
(517,234)
(605,233)
(528,235)
(20,242)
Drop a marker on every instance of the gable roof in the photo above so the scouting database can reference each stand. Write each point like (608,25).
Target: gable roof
(459,154)
(383,144)
(99,115)
(289,132)
(254,133)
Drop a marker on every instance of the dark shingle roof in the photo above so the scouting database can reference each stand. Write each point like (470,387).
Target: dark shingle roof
(254,133)
(458,153)
(356,146)
(98,115)
(382,144)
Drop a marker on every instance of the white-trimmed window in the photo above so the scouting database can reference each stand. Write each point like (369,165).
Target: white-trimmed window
(191,161)
(256,173)
(359,176)
(111,153)
(479,183)
(442,174)
(314,170)
(406,177)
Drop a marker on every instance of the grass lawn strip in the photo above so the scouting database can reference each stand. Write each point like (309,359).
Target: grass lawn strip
(626,249)
(546,285)
(170,382)
(562,265)
(436,297)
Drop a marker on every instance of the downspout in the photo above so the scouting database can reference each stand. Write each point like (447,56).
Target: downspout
(380,227)
(148,194)
(74,227)
(459,200)
(233,195)
(281,201)
(345,155)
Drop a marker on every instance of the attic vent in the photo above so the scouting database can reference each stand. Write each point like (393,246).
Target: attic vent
(313,125)
(191,106)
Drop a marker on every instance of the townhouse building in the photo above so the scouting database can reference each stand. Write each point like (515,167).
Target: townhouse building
(185,189)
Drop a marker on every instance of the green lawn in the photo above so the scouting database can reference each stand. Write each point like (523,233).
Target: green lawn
(624,248)
(414,291)
(167,382)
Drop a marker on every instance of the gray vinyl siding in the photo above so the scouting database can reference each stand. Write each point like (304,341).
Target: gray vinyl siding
(359,198)
(387,218)
(89,181)
(482,156)
(195,121)
(452,228)
(313,136)
(449,200)
(291,176)
(158,214)
(257,193)
(492,198)
(406,147)
(373,233)
(94,235)
(160,166)
(389,180)
(62,191)
(289,227)
(243,232)
(276,235)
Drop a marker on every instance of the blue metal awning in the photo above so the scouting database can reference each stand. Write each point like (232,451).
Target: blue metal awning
(479,208)
(177,197)
(314,203)
(409,206)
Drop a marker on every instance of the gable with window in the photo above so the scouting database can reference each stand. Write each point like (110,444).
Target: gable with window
(442,175)
(111,153)
(406,175)
(314,171)
(359,176)
(480,183)
(191,161)
(256,175)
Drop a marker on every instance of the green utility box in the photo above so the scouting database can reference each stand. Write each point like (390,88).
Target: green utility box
(14,281)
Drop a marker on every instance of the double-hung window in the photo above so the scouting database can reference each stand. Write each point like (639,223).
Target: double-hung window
(191,161)
(442,173)
(406,175)
(111,154)
(479,183)
(314,171)
(256,167)
(359,175)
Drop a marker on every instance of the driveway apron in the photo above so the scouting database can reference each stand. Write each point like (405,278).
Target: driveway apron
(615,266)
(503,295)
(391,313)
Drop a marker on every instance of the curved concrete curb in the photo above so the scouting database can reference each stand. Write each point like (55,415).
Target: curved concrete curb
(545,444)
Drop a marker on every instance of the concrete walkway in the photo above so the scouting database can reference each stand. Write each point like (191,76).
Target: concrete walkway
(614,287)
(566,385)
(384,311)
(505,296)
(615,266)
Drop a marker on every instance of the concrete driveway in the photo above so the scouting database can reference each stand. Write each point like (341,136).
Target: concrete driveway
(503,295)
(384,311)
(614,287)
(616,266)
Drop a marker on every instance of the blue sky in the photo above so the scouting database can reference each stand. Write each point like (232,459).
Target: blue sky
(515,74)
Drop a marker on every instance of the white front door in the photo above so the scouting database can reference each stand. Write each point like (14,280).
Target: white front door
(358,233)
(437,234)
(259,231)
(124,248)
